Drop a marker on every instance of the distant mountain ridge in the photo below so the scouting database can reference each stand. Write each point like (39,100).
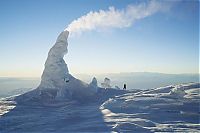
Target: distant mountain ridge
(142,80)
(134,80)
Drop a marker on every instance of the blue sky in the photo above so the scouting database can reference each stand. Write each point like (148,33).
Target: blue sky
(165,42)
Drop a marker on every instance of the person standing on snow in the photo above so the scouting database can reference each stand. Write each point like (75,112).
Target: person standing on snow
(124,87)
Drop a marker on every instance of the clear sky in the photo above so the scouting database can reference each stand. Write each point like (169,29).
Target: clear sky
(166,42)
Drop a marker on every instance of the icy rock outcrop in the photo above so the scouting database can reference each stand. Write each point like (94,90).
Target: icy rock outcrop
(106,83)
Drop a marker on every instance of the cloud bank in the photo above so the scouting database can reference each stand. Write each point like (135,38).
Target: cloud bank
(114,18)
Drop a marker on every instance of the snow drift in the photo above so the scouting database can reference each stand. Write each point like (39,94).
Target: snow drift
(151,110)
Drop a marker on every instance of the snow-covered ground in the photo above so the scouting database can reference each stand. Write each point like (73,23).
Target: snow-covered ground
(63,103)
(157,110)
(169,109)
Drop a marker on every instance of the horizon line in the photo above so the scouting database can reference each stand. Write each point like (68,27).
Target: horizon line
(91,74)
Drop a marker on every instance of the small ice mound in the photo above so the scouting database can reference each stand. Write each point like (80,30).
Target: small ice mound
(6,106)
(94,84)
(114,104)
(129,127)
(178,91)
(117,87)
(106,83)
(193,93)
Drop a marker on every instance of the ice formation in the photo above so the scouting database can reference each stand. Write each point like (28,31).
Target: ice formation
(94,84)
(178,91)
(56,81)
(106,83)
(56,74)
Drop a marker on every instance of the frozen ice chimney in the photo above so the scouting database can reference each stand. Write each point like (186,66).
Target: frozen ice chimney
(56,81)
(106,83)
(56,74)
(94,84)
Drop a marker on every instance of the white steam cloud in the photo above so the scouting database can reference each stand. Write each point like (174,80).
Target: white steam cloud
(114,18)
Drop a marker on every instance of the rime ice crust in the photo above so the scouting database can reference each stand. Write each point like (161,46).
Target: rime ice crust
(56,71)
(56,76)
(56,81)
(106,83)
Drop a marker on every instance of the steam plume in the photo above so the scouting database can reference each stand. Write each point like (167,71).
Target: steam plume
(114,18)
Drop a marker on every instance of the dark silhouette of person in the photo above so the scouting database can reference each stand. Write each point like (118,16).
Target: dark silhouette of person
(124,87)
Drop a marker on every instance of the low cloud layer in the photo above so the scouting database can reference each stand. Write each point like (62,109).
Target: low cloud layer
(114,18)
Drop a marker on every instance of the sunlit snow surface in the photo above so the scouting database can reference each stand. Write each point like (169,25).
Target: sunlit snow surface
(153,110)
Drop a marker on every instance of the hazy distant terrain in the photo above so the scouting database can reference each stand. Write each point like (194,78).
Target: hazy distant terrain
(143,80)
(13,86)
(134,80)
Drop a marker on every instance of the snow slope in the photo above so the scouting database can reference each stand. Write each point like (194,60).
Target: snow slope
(62,103)
(152,110)
(155,110)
